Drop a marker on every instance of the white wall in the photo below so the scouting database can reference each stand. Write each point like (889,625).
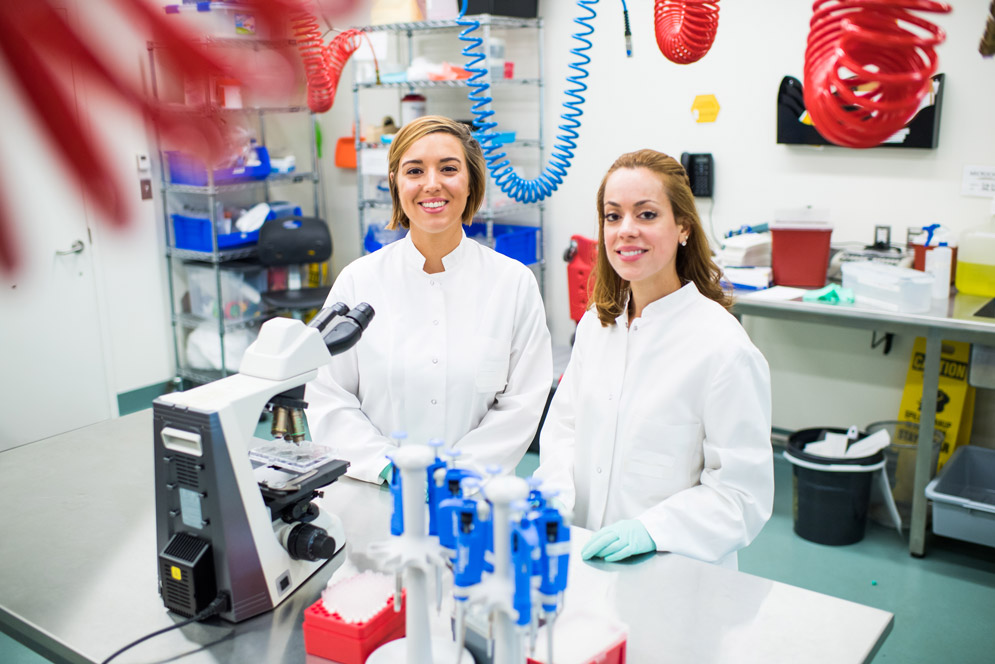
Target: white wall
(645,101)
(130,304)
(130,264)
(820,376)
(632,103)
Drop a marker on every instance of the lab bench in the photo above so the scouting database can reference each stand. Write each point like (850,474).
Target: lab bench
(78,576)
(953,319)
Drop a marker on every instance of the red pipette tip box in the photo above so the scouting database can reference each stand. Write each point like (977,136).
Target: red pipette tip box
(327,635)
(614,654)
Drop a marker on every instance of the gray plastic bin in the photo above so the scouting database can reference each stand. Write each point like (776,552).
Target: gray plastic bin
(963,496)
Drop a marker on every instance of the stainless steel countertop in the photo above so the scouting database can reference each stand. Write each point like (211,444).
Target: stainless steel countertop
(78,576)
(955,316)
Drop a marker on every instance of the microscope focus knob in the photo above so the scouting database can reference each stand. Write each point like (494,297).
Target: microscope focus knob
(307,542)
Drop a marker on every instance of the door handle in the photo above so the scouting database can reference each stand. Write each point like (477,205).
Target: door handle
(75,249)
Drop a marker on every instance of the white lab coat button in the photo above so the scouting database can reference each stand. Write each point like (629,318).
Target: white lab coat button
(433,402)
(435,322)
(609,398)
(431,283)
(599,470)
(435,360)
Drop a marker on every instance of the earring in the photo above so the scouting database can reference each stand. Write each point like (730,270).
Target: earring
(684,243)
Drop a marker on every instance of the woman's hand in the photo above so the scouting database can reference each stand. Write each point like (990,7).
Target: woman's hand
(619,541)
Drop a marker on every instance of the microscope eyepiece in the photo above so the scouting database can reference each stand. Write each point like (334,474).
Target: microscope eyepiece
(327,314)
(343,334)
(362,313)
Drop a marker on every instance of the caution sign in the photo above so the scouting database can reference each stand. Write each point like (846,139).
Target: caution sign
(954,398)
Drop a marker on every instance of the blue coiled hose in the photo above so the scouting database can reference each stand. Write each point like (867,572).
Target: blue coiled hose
(516,187)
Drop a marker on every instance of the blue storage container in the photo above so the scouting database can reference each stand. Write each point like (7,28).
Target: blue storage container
(518,242)
(190,170)
(378,236)
(194,233)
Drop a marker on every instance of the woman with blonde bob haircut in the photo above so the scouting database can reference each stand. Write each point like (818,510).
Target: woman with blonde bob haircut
(658,436)
(476,166)
(458,349)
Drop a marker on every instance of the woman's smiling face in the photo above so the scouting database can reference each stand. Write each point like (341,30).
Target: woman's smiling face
(641,234)
(433,185)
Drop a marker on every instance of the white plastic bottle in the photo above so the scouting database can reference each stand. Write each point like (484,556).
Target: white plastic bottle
(938,263)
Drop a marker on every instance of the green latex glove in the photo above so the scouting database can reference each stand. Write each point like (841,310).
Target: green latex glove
(831,294)
(619,541)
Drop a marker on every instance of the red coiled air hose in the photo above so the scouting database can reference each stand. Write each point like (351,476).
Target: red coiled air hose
(868,65)
(310,46)
(685,29)
(322,64)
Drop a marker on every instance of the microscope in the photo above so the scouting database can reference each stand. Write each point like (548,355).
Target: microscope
(235,520)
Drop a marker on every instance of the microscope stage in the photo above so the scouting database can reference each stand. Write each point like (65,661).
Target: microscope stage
(302,458)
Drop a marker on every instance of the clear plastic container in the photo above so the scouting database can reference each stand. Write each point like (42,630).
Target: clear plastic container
(888,287)
(240,290)
(976,260)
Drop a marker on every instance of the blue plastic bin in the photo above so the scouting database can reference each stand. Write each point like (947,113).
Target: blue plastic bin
(188,169)
(377,237)
(194,233)
(518,242)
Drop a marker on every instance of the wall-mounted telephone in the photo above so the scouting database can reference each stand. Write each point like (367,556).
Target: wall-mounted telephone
(700,170)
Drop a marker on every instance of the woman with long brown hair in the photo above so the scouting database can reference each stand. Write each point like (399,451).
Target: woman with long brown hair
(658,436)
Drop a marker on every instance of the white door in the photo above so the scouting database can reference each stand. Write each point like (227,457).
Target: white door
(53,376)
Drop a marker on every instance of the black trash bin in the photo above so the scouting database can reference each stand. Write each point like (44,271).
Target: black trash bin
(831,495)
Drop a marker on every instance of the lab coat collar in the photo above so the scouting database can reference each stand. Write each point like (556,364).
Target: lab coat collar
(668,305)
(450,261)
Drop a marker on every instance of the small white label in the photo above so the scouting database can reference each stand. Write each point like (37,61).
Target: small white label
(978,181)
(373,161)
(190,510)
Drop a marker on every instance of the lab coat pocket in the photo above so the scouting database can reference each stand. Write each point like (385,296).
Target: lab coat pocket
(492,367)
(663,453)
(649,464)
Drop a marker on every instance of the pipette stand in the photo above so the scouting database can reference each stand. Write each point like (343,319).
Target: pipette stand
(413,555)
(493,595)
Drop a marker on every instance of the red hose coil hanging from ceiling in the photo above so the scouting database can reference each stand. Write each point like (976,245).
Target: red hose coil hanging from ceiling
(868,65)
(685,29)
(322,64)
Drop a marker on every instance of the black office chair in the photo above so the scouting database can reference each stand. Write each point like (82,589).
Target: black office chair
(292,242)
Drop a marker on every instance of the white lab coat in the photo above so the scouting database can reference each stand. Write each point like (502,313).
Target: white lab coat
(668,422)
(462,355)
